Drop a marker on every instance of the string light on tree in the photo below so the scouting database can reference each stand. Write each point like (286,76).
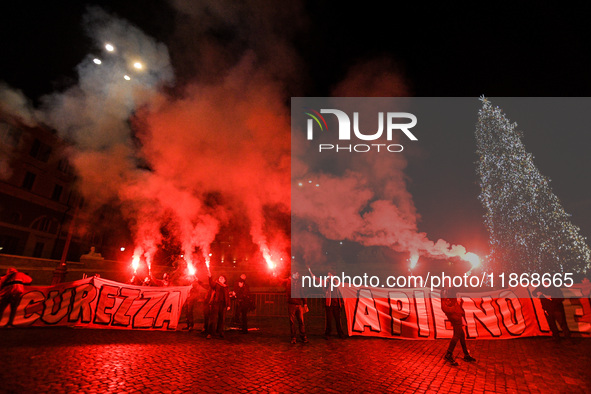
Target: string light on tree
(528,227)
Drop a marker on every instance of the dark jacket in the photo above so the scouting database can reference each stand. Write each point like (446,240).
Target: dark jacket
(242,293)
(453,310)
(220,294)
(551,297)
(297,296)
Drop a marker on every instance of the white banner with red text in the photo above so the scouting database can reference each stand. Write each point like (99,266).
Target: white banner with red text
(99,303)
(417,314)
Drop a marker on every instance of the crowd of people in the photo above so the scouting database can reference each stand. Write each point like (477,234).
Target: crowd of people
(218,299)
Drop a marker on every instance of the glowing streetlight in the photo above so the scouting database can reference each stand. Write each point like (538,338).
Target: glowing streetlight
(138,65)
(96,61)
(122,249)
(127,78)
(109,47)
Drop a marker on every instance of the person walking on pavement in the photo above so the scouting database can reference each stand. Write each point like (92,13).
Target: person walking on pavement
(455,314)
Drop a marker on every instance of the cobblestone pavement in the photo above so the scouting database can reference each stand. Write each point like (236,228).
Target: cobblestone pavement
(57,360)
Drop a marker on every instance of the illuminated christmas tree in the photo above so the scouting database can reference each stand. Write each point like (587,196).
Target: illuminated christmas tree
(528,227)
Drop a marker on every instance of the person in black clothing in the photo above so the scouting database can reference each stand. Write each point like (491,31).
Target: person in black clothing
(189,306)
(243,303)
(219,303)
(455,314)
(236,320)
(297,305)
(206,311)
(333,303)
(553,307)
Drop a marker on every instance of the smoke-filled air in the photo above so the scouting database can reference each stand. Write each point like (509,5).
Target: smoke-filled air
(204,145)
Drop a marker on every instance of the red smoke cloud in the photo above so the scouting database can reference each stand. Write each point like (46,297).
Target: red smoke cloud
(231,139)
(215,153)
(362,198)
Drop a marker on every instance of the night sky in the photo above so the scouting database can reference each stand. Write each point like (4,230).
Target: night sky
(482,49)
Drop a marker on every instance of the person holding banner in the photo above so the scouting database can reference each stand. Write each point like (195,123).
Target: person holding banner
(11,291)
(455,314)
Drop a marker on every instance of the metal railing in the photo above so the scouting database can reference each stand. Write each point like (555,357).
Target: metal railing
(275,304)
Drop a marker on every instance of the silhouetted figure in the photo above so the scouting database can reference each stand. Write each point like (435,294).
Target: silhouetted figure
(297,305)
(333,303)
(551,298)
(236,318)
(190,303)
(219,303)
(11,290)
(455,314)
(243,304)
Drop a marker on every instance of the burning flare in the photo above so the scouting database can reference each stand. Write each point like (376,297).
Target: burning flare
(135,263)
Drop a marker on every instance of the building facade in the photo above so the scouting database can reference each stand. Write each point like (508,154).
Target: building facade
(37,196)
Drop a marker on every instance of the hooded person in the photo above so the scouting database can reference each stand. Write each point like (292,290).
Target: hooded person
(11,290)
(219,303)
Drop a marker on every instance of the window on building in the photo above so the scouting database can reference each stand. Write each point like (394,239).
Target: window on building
(35,148)
(40,151)
(10,216)
(64,166)
(45,224)
(44,153)
(10,135)
(29,180)
(38,251)
(9,244)
(57,192)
